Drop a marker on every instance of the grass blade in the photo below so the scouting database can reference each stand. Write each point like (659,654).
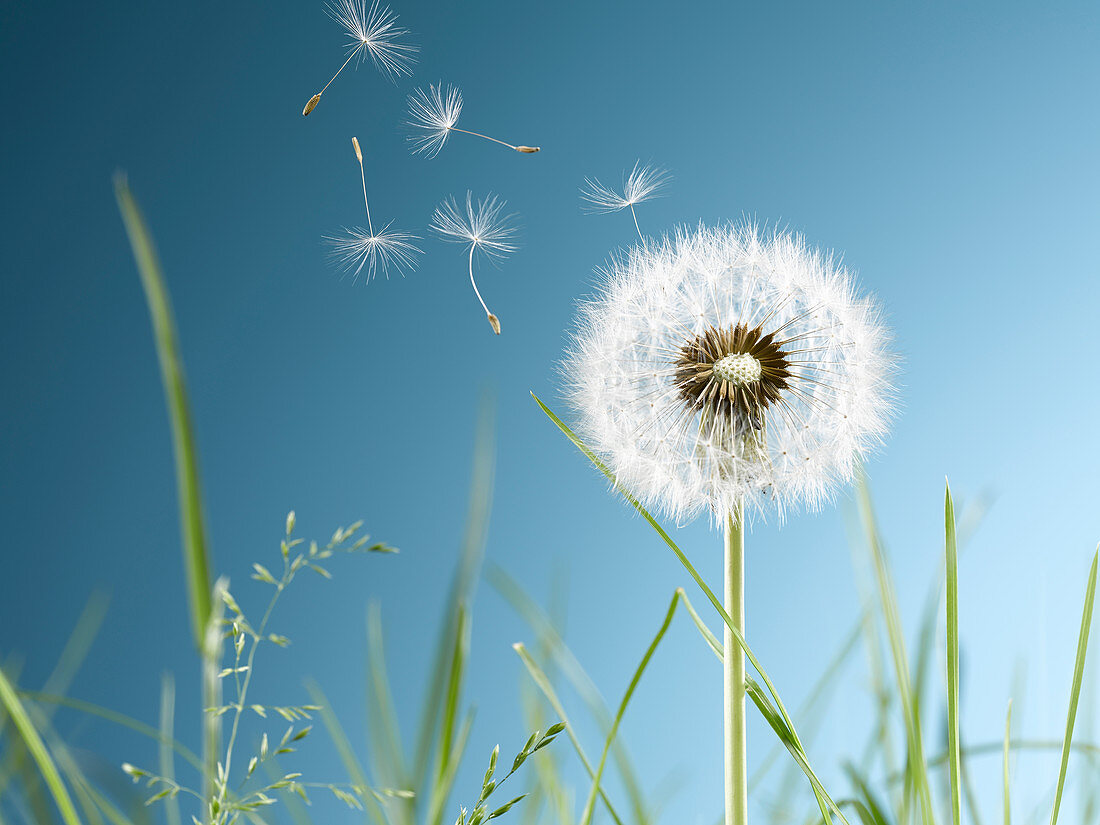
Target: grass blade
(590,804)
(388,757)
(1008,739)
(166,759)
(952,655)
(916,772)
(1075,690)
(196,562)
(37,748)
(543,683)
(683,559)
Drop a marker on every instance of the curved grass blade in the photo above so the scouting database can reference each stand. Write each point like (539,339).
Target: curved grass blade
(683,559)
(1075,689)
(540,679)
(192,525)
(166,759)
(37,748)
(590,804)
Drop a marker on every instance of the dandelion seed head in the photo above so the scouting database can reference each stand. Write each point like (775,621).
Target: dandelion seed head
(484,226)
(432,115)
(730,366)
(357,250)
(641,184)
(373,30)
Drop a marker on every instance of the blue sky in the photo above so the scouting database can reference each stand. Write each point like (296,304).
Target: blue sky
(949,151)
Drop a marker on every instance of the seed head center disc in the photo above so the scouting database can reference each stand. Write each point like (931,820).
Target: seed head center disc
(739,368)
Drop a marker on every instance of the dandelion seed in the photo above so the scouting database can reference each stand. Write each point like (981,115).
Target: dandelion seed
(358,249)
(733,370)
(730,367)
(484,228)
(643,183)
(433,115)
(373,32)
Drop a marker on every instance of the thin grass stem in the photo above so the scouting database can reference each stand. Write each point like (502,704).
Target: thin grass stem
(733,675)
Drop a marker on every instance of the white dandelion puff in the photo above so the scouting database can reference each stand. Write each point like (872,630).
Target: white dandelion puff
(485,228)
(641,184)
(357,249)
(730,368)
(737,371)
(372,31)
(433,114)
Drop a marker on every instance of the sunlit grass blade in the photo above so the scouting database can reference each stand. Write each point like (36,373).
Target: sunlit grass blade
(952,655)
(575,674)
(1075,690)
(167,761)
(916,771)
(461,592)
(590,804)
(683,559)
(388,757)
(37,749)
(192,524)
(786,736)
(444,784)
(543,683)
(834,668)
(875,808)
(346,752)
(117,718)
(445,749)
(1008,739)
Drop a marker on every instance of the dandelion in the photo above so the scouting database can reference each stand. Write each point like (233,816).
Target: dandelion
(357,249)
(643,182)
(373,32)
(485,229)
(433,115)
(733,370)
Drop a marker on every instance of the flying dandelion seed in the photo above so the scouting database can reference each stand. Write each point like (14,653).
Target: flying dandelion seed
(374,32)
(375,252)
(736,371)
(433,115)
(484,228)
(643,183)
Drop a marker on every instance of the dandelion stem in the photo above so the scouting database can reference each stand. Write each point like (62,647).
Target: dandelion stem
(493,321)
(363,176)
(736,773)
(632,212)
(354,52)
(479,134)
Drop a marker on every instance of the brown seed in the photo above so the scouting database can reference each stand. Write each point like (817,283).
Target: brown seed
(494,322)
(358,152)
(528,150)
(312,104)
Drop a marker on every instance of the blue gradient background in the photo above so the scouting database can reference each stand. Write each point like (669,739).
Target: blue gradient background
(949,149)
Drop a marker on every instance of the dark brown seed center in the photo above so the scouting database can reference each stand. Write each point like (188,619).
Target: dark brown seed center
(733,374)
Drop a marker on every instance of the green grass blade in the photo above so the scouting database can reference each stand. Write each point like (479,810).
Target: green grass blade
(1008,739)
(461,592)
(916,769)
(346,752)
(683,559)
(387,754)
(1075,690)
(445,747)
(192,525)
(953,655)
(543,683)
(117,718)
(590,804)
(441,789)
(37,749)
(166,758)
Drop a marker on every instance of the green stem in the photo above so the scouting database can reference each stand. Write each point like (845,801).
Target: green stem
(737,782)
